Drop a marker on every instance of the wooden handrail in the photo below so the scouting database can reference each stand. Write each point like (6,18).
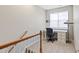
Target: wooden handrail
(17,41)
(23,34)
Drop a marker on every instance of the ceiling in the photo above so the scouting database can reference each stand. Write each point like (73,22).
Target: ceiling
(47,7)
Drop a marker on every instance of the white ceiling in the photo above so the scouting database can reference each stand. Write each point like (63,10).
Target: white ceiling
(46,7)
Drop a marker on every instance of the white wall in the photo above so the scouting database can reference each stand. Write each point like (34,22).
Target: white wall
(14,20)
(76,26)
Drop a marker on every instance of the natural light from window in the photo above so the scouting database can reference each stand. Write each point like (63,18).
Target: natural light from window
(57,20)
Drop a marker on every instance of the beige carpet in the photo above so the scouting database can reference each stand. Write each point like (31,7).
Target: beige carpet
(55,47)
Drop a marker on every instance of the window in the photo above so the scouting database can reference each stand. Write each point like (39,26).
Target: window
(57,20)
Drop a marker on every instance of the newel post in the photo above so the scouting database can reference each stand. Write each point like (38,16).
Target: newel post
(41,41)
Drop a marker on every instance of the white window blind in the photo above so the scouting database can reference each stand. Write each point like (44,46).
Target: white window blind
(57,20)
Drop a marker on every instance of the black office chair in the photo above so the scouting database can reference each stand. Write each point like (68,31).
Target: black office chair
(51,36)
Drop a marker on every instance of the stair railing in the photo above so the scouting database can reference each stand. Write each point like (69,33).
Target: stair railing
(23,34)
(22,38)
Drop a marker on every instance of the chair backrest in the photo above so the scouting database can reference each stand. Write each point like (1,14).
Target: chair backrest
(49,31)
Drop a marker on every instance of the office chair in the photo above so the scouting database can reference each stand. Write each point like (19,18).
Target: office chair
(51,36)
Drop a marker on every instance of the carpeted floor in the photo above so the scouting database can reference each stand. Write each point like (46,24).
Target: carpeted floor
(55,47)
